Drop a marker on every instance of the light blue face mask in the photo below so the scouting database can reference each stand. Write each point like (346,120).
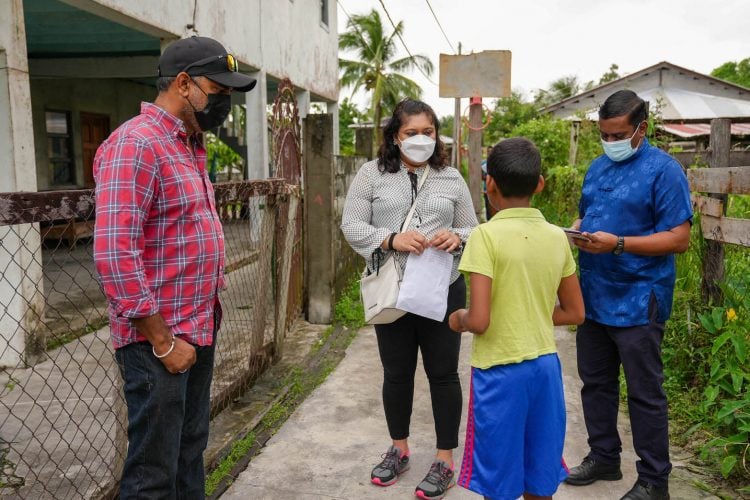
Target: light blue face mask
(621,150)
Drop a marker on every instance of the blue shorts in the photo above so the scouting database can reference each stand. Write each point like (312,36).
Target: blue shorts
(515,430)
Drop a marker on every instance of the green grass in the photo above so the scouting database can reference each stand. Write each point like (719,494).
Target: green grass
(59,340)
(240,449)
(348,310)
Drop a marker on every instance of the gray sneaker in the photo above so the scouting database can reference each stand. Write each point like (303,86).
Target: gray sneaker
(437,482)
(393,465)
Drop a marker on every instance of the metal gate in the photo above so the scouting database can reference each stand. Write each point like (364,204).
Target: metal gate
(287,161)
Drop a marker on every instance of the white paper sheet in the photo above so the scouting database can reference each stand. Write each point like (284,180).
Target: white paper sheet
(424,287)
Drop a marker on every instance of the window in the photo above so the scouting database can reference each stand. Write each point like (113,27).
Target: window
(59,148)
(324,12)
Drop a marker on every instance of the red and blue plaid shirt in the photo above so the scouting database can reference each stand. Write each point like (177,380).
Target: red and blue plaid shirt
(158,241)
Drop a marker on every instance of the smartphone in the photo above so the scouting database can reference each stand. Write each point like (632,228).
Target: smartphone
(574,233)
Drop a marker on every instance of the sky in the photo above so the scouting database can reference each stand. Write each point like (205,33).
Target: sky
(550,39)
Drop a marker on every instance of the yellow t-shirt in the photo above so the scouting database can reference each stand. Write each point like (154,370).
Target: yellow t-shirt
(526,257)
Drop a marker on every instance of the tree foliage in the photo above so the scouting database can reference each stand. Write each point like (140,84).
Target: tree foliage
(222,160)
(446,125)
(349,114)
(611,75)
(560,89)
(376,69)
(509,113)
(735,72)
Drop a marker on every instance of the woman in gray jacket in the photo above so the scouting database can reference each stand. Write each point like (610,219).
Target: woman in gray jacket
(376,206)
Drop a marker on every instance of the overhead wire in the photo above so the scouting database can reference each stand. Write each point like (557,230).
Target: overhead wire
(388,15)
(344,9)
(440,26)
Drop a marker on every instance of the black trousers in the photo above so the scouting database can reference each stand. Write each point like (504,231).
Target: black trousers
(398,344)
(601,351)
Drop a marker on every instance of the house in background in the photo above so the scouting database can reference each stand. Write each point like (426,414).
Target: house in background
(687,101)
(71,71)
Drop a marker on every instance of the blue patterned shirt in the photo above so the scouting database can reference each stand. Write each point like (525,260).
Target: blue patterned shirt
(645,194)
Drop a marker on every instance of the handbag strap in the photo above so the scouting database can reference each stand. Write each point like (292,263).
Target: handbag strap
(377,254)
(405,225)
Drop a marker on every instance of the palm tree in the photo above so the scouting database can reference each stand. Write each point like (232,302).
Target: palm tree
(376,71)
(560,89)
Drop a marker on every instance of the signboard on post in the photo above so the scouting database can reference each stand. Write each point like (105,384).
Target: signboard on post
(484,74)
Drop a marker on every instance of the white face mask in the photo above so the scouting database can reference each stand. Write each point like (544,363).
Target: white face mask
(418,148)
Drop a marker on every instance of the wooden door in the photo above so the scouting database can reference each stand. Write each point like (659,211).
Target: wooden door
(94,129)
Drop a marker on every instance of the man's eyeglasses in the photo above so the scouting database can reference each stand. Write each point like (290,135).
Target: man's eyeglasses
(231,62)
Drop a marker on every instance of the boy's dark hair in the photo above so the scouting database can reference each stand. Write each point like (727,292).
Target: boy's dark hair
(389,156)
(515,165)
(624,102)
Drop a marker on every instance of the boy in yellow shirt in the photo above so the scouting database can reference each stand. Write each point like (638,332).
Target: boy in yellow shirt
(520,265)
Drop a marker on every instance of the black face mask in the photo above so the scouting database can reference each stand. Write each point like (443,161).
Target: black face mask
(215,112)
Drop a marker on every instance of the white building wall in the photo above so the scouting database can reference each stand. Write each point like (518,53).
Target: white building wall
(284,38)
(21,296)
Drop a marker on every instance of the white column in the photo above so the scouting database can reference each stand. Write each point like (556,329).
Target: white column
(256,127)
(303,104)
(333,109)
(303,109)
(21,293)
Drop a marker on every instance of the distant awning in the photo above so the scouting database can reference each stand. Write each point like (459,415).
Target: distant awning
(689,130)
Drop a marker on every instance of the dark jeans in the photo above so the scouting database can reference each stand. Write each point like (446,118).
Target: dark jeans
(398,343)
(167,424)
(601,350)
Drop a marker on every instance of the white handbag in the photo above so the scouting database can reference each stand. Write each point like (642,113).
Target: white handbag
(379,289)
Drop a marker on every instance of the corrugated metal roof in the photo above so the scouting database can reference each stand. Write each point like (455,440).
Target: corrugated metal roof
(661,75)
(698,129)
(677,93)
(679,104)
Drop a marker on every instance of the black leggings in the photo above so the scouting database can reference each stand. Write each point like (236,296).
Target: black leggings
(398,343)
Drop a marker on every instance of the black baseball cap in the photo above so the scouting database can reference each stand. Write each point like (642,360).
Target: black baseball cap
(202,56)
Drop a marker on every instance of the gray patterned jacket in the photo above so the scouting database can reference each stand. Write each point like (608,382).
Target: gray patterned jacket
(377,204)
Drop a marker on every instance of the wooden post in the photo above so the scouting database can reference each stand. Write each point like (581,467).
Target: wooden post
(713,260)
(319,220)
(575,129)
(475,154)
(456,151)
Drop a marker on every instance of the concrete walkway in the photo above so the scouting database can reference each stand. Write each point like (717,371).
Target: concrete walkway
(327,448)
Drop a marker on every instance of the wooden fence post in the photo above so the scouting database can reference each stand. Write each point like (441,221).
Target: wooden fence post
(320,223)
(713,260)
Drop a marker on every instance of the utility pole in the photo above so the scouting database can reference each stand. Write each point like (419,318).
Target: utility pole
(475,153)
(456,152)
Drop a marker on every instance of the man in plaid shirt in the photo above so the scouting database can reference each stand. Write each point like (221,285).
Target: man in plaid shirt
(159,253)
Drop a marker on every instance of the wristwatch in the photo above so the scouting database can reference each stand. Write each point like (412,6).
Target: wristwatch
(620,247)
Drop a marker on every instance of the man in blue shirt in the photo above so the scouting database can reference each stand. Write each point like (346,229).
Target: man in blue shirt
(635,209)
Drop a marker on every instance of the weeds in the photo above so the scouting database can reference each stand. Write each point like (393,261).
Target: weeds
(348,310)
(706,357)
(240,449)
(60,340)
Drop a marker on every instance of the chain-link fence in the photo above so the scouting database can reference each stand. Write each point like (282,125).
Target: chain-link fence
(62,416)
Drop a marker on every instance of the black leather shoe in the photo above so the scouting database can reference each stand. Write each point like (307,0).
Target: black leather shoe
(590,470)
(646,491)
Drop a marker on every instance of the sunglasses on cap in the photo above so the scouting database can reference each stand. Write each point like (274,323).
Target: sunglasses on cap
(231,62)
